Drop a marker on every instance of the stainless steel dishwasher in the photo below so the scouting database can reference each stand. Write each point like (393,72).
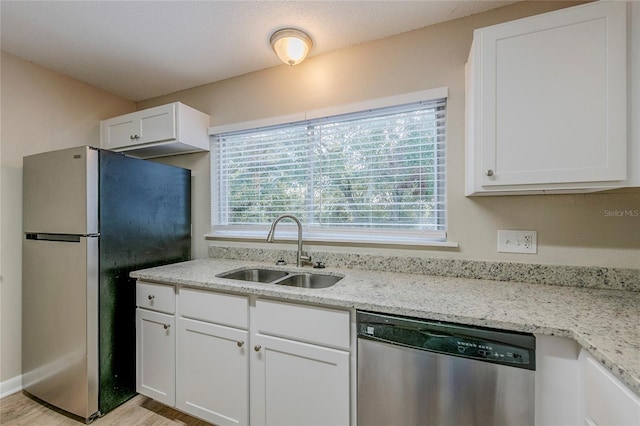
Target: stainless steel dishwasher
(430,373)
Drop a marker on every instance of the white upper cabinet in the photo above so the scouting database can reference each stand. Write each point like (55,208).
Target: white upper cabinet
(156,132)
(547,103)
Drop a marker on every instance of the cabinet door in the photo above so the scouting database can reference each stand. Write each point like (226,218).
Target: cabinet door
(155,355)
(213,372)
(119,131)
(552,98)
(607,402)
(295,383)
(157,124)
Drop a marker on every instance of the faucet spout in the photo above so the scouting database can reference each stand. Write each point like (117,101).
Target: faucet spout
(300,257)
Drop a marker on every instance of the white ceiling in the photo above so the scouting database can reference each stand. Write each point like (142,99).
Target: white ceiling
(143,49)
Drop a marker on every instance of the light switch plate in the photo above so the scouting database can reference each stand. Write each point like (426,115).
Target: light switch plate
(511,241)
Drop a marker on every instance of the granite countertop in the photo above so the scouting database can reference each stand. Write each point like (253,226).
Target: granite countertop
(605,322)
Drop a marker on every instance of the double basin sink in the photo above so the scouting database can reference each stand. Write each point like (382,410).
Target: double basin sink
(293,279)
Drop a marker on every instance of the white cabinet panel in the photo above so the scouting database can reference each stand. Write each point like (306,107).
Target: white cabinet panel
(219,308)
(556,383)
(213,372)
(120,131)
(607,402)
(156,297)
(295,383)
(155,355)
(547,102)
(324,326)
(158,124)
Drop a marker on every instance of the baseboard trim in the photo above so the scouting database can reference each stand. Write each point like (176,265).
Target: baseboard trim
(10,386)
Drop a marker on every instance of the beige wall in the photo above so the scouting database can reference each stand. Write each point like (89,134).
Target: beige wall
(41,111)
(572,229)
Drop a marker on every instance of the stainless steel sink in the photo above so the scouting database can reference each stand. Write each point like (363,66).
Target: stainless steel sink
(293,279)
(257,275)
(310,280)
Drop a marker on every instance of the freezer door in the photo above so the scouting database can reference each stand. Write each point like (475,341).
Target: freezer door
(61,192)
(60,321)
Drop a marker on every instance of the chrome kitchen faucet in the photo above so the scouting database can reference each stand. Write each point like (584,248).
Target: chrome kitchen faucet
(300,256)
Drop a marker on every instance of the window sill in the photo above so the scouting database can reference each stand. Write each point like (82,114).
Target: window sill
(334,238)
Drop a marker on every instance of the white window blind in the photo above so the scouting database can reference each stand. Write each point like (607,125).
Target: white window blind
(377,175)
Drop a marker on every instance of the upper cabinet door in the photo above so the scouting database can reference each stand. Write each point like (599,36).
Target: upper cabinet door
(121,131)
(547,100)
(158,124)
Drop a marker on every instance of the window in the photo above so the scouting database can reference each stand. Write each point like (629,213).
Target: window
(376,175)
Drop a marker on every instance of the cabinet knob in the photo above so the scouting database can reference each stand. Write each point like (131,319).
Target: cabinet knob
(151,297)
(257,348)
(166,326)
(489,173)
(240,343)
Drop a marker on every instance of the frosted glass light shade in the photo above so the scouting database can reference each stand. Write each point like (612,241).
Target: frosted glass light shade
(291,45)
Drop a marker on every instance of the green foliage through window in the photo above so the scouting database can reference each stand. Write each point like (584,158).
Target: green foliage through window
(380,170)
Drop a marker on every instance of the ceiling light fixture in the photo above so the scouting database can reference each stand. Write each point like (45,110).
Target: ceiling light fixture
(291,45)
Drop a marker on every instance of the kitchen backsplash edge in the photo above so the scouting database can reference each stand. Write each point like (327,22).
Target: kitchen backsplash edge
(574,276)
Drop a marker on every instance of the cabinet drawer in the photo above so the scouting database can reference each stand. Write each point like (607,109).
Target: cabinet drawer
(157,297)
(324,326)
(219,308)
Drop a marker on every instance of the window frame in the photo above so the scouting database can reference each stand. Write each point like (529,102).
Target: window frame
(316,234)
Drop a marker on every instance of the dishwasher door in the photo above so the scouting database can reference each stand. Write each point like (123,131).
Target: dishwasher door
(403,385)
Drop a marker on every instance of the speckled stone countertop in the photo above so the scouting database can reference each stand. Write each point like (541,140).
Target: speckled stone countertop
(605,322)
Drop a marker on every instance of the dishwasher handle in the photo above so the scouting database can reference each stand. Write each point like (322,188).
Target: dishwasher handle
(402,334)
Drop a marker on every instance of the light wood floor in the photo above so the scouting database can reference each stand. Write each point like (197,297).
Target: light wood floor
(20,410)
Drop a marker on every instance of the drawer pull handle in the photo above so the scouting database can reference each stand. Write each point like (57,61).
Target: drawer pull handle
(257,348)
(166,326)
(151,297)
(240,343)
(489,172)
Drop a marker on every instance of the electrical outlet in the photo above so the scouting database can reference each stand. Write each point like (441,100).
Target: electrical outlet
(510,241)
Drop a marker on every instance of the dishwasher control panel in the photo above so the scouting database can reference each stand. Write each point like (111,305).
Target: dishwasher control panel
(480,343)
(491,351)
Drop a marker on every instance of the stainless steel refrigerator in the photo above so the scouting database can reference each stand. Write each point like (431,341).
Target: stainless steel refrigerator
(89,218)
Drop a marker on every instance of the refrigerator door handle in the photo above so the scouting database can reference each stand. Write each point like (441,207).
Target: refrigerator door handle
(65,238)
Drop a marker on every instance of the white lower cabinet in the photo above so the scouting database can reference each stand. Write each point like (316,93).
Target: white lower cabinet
(213,372)
(605,401)
(294,383)
(574,389)
(299,365)
(156,356)
(233,360)
(156,342)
